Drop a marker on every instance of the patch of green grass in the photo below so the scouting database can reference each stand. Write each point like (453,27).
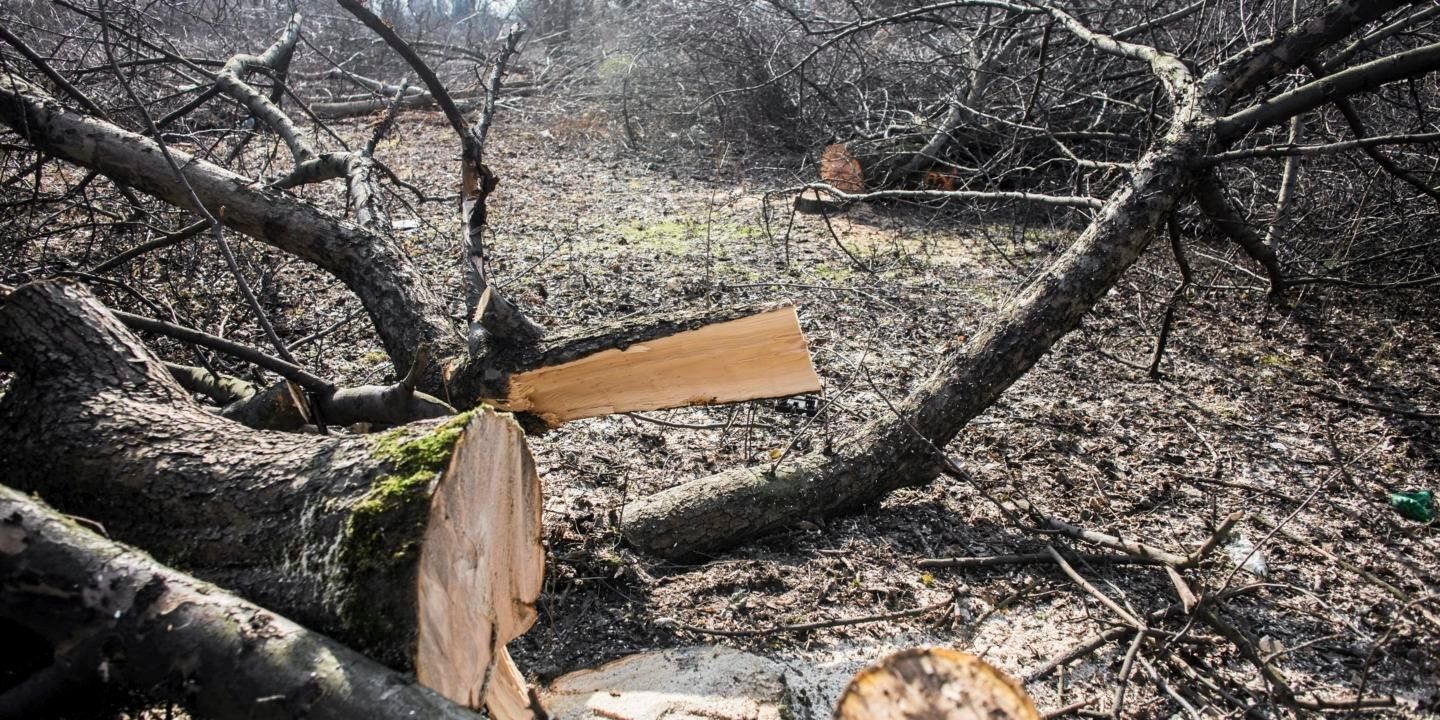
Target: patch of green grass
(832,273)
(1275,361)
(615,66)
(686,235)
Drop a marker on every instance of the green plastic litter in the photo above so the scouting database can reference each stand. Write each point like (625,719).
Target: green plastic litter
(1414,505)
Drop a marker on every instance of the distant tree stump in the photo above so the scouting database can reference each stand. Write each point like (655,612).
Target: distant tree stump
(934,684)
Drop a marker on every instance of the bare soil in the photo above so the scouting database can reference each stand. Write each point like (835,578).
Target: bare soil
(1241,421)
(1245,419)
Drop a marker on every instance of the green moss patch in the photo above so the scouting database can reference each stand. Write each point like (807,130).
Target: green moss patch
(382,536)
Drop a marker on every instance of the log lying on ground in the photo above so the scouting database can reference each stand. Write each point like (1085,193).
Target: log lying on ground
(127,622)
(720,510)
(330,531)
(662,361)
(336,109)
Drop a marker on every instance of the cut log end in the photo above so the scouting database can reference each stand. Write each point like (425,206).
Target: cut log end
(760,356)
(480,568)
(934,684)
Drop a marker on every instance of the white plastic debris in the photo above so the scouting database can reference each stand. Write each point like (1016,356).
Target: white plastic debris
(1247,556)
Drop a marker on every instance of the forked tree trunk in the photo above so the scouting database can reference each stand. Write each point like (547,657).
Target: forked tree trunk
(120,621)
(338,533)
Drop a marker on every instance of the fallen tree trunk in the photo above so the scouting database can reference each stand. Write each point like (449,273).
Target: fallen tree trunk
(123,621)
(334,532)
(721,510)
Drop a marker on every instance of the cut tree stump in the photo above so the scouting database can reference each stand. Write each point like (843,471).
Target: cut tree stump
(481,567)
(934,684)
(330,531)
(711,682)
(130,625)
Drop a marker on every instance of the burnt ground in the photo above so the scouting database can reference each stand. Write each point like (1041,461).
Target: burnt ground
(1245,419)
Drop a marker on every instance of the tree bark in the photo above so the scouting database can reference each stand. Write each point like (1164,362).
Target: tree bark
(327,530)
(116,615)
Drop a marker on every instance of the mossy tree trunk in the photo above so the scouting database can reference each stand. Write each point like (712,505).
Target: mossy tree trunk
(326,530)
(123,623)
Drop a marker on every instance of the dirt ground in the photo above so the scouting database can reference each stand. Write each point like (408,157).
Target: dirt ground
(1245,419)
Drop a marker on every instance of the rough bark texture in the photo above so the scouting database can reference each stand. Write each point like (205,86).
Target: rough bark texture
(324,529)
(115,613)
(402,307)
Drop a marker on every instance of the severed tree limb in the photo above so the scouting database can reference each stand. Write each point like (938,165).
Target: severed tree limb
(1007,195)
(334,532)
(650,363)
(220,388)
(133,624)
(723,509)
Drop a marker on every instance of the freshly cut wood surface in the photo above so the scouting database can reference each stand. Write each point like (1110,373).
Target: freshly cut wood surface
(840,169)
(124,623)
(480,569)
(934,684)
(686,683)
(760,356)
